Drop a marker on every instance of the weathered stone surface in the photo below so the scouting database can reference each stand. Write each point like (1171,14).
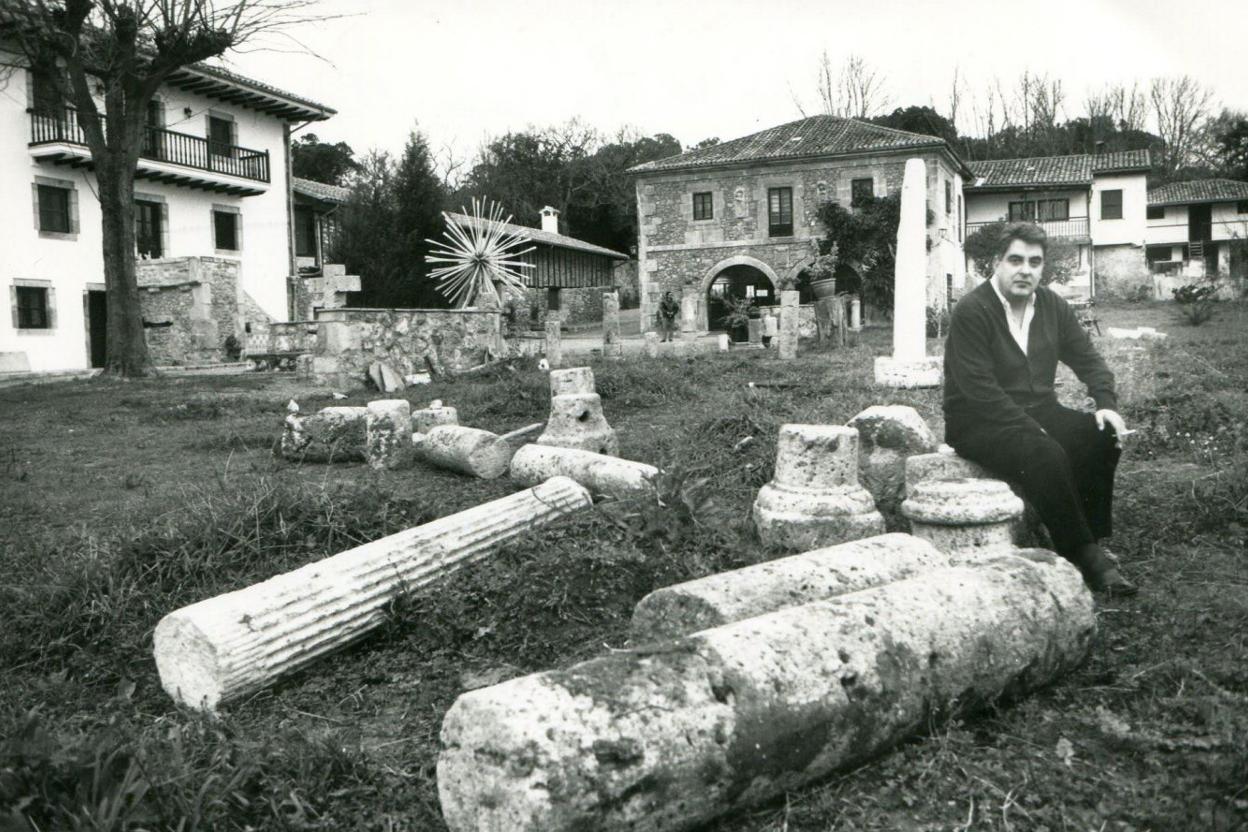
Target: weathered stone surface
(554,341)
(723,342)
(611,345)
(430,417)
(683,609)
(601,474)
(814,498)
(652,344)
(788,324)
(576,421)
(520,437)
(471,451)
(893,372)
(888,434)
(668,739)
(855,313)
(943,464)
(969,519)
(571,380)
(388,434)
(335,434)
(754,327)
(385,378)
(235,644)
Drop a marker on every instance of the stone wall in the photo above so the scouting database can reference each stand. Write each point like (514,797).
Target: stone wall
(191,306)
(577,306)
(1121,272)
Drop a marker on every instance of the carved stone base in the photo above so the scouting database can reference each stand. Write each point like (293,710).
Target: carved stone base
(925,372)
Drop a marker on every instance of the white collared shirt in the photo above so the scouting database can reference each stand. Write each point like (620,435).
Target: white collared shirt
(1018,331)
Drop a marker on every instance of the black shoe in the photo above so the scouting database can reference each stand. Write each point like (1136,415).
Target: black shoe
(1114,584)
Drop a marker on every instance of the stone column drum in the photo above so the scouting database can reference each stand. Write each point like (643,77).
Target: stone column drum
(814,498)
(335,434)
(601,474)
(611,345)
(855,314)
(967,519)
(571,380)
(909,365)
(789,320)
(673,736)
(435,414)
(471,451)
(554,340)
(576,419)
(684,609)
(388,434)
(887,436)
(235,644)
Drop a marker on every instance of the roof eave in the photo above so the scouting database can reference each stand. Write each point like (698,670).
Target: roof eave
(1031,186)
(1202,201)
(288,108)
(938,144)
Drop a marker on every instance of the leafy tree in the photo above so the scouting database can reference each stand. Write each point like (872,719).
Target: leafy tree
(1228,137)
(866,240)
(419,200)
(107,59)
(311,158)
(923,120)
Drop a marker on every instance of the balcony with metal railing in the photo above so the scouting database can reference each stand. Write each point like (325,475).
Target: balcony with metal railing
(1074,229)
(165,155)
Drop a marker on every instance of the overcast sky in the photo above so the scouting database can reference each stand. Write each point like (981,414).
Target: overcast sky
(467,70)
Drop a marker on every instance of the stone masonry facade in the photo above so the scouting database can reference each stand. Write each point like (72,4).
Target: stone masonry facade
(683,255)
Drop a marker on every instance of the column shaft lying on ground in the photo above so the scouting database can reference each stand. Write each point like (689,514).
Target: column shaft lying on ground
(669,737)
(471,451)
(599,473)
(683,609)
(231,645)
(335,434)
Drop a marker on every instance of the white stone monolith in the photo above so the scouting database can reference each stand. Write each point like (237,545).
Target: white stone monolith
(601,474)
(887,435)
(674,735)
(682,609)
(909,365)
(235,644)
(789,319)
(612,347)
(722,342)
(554,340)
(652,344)
(754,330)
(967,519)
(427,418)
(689,313)
(814,498)
(388,434)
(335,434)
(471,451)
(855,313)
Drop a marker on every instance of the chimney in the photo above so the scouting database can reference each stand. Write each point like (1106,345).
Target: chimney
(1100,148)
(550,219)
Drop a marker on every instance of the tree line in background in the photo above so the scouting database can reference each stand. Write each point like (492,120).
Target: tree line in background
(396,202)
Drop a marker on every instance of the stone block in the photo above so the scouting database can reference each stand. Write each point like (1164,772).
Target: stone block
(888,435)
(576,421)
(907,373)
(428,418)
(789,322)
(652,344)
(601,474)
(477,453)
(388,434)
(335,434)
(967,519)
(571,380)
(554,341)
(942,464)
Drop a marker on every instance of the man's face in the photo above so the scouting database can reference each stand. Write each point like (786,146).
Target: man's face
(1019,269)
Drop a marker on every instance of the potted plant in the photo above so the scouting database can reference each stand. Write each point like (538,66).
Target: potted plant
(738,315)
(822,272)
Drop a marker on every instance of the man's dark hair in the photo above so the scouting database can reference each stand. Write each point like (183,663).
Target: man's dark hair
(1028,232)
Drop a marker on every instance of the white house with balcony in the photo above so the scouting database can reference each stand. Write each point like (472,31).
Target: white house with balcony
(213,220)
(1191,230)
(1096,202)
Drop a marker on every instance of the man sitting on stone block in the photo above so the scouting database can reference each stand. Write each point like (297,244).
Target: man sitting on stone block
(1001,409)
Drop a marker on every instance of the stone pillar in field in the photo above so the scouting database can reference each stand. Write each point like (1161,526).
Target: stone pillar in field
(855,314)
(611,346)
(887,436)
(388,434)
(909,365)
(689,313)
(235,644)
(709,725)
(576,418)
(814,498)
(554,333)
(970,520)
(754,326)
(652,344)
(789,320)
(723,342)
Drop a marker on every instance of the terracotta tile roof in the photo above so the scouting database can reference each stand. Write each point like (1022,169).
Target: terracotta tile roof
(1199,190)
(1047,171)
(536,235)
(320,190)
(814,136)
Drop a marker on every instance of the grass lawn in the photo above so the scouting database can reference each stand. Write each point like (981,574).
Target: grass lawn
(120,502)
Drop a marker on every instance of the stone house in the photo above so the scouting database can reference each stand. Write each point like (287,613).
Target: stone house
(1191,231)
(315,228)
(738,219)
(212,219)
(1096,202)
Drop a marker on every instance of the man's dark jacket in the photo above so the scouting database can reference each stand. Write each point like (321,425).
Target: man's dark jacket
(988,379)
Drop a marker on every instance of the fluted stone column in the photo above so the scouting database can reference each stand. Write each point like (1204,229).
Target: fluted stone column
(611,345)
(909,365)
(887,436)
(789,320)
(814,498)
(235,644)
(969,520)
(601,474)
(683,609)
(335,434)
(671,737)
(427,418)
(471,451)
(388,434)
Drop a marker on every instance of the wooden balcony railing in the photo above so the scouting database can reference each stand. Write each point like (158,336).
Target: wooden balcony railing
(1073,228)
(159,144)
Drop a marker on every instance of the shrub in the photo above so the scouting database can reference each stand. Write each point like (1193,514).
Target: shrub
(937,321)
(1196,301)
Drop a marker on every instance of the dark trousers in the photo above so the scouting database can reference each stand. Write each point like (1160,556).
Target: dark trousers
(1065,472)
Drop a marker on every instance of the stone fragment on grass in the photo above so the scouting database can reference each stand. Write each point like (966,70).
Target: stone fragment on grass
(942,464)
(967,519)
(814,498)
(888,434)
(673,735)
(576,421)
(683,609)
(388,434)
(235,644)
(601,474)
(335,434)
(471,451)
(427,418)
(571,380)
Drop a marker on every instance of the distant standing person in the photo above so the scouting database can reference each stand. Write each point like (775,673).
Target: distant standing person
(1001,408)
(668,310)
(771,326)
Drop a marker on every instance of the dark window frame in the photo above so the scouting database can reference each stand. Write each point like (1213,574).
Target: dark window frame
(33,315)
(305,232)
(149,232)
(1241,207)
(1039,210)
(1155,212)
(948,197)
(47,211)
(1110,207)
(217,217)
(703,206)
(856,186)
(216,145)
(780,212)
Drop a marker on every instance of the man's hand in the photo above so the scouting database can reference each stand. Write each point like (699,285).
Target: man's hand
(1115,421)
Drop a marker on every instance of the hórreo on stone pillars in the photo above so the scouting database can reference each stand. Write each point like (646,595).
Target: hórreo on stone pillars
(909,365)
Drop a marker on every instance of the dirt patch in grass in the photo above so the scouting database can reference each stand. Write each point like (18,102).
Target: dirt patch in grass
(119,503)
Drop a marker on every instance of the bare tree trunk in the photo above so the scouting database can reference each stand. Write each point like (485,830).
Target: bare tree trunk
(127,346)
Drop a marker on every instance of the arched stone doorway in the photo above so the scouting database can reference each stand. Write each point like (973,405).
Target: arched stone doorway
(734,279)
